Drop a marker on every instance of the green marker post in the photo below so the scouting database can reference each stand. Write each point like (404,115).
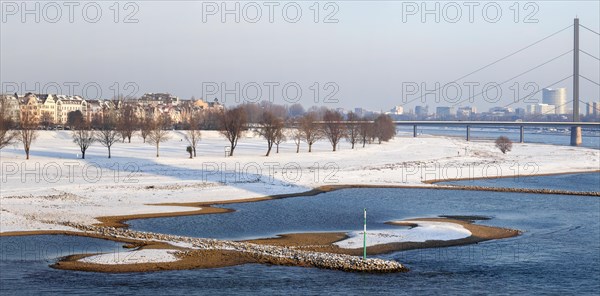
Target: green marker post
(365,236)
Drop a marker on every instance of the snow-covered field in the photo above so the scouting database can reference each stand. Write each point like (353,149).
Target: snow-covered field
(133,257)
(424,231)
(56,186)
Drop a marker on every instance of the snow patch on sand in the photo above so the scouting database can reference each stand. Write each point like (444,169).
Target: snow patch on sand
(133,257)
(424,231)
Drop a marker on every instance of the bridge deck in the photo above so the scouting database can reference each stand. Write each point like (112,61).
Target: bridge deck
(498,123)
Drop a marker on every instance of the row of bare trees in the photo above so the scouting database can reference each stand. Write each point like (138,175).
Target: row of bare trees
(156,131)
(307,128)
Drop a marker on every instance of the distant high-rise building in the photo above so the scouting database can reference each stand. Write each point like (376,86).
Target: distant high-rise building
(444,112)
(422,111)
(540,109)
(359,111)
(588,109)
(556,97)
(520,112)
(595,109)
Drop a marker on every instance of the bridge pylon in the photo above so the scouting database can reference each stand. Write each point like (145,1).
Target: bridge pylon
(576,130)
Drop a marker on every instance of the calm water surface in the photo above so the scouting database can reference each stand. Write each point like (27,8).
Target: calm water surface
(590,139)
(572,182)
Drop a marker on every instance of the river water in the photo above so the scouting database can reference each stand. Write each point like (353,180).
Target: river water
(572,182)
(558,253)
(561,136)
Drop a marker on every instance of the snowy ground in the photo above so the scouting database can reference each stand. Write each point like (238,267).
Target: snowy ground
(133,257)
(55,185)
(424,231)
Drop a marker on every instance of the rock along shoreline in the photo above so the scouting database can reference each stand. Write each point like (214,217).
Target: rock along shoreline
(277,255)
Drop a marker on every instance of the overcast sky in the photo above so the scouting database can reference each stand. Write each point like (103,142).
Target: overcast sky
(372,57)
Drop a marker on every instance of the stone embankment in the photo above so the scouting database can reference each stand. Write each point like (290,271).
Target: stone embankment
(262,253)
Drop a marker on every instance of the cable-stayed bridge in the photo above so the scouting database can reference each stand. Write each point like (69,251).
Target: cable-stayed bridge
(575,125)
(520,124)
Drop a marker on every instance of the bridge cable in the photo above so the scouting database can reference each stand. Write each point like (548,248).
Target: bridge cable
(589,29)
(594,82)
(589,54)
(521,74)
(539,90)
(493,63)
(553,110)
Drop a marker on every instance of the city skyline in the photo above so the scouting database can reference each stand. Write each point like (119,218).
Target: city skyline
(53,109)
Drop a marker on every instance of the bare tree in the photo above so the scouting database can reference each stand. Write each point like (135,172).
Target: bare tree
(295,110)
(145,127)
(47,120)
(83,136)
(310,129)
(107,135)
(231,125)
(270,128)
(294,133)
(384,128)
(277,110)
(318,112)
(333,127)
(253,112)
(97,120)
(504,144)
(366,131)
(210,119)
(166,120)
(280,137)
(27,133)
(127,123)
(7,134)
(193,134)
(353,128)
(158,134)
(74,118)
